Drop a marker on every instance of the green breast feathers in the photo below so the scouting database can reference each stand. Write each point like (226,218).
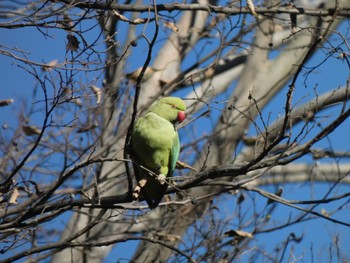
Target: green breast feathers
(156,146)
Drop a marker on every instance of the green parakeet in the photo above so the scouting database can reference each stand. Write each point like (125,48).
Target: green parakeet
(155,145)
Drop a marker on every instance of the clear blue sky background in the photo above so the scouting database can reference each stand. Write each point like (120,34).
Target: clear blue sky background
(18,85)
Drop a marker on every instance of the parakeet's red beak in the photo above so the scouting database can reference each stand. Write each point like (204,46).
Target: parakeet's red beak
(181,115)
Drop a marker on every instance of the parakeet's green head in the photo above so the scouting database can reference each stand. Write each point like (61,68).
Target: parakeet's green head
(170,108)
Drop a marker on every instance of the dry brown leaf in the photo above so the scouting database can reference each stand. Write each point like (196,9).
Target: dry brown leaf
(50,65)
(171,26)
(67,23)
(251,8)
(125,19)
(135,74)
(168,237)
(14,196)
(77,102)
(73,43)
(324,212)
(120,16)
(209,72)
(98,93)
(6,102)
(238,233)
(30,130)
(249,141)
(70,97)
(67,91)
(139,21)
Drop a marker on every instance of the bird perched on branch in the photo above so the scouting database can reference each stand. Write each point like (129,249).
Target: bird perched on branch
(155,147)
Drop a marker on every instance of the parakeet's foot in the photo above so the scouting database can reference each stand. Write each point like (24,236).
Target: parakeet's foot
(137,190)
(161,178)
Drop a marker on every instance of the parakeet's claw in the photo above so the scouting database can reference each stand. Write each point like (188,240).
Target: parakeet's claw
(157,171)
(137,190)
(161,178)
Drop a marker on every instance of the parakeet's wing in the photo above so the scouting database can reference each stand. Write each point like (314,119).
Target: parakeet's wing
(174,155)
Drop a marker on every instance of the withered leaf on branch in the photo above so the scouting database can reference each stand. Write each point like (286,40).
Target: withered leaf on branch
(73,43)
(251,8)
(69,96)
(30,130)
(249,141)
(171,26)
(325,213)
(49,65)
(6,102)
(120,16)
(77,101)
(238,233)
(14,196)
(133,76)
(67,22)
(138,21)
(125,19)
(168,237)
(98,93)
